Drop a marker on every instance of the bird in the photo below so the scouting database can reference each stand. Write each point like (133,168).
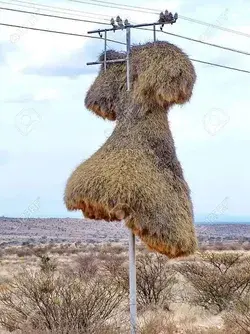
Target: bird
(175,16)
(170,17)
(166,15)
(126,23)
(162,18)
(112,22)
(119,22)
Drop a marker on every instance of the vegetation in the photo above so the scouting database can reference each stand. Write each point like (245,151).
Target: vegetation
(89,294)
(217,279)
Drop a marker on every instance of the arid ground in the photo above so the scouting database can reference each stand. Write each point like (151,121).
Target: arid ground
(70,276)
(16,231)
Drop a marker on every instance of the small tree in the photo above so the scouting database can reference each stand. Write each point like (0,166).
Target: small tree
(216,278)
(155,279)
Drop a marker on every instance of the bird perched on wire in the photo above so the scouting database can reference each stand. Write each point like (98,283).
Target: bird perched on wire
(166,15)
(112,22)
(162,19)
(170,17)
(126,23)
(175,17)
(119,22)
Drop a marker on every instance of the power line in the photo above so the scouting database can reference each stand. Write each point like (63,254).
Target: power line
(153,11)
(57,32)
(110,4)
(110,40)
(207,43)
(97,22)
(116,6)
(199,41)
(49,15)
(222,66)
(54,9)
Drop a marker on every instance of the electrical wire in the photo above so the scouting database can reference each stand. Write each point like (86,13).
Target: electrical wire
(199,41)
(110,40)
(53,16)
(58,32)
(54,9)
(90,21)
(110,4)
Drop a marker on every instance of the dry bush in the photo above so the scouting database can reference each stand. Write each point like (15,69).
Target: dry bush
(216,278)
(46,264)
(155,279)
(157,324)
(84,266)
(110,248)
(238,317)
(54,301)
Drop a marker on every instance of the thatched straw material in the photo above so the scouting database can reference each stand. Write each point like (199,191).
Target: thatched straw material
(136,175)
(162,75)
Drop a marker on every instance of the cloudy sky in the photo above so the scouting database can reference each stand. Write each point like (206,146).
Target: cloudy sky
(45,131)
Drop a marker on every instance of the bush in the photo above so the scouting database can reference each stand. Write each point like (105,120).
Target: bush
(59,303)
(155,279)
(156,324)
(238,317)
(216,278)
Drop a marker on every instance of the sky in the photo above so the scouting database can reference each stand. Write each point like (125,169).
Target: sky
(45,130)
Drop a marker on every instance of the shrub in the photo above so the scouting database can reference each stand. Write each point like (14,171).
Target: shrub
(54,301)
(155,324)
(216,278)
(155,279)
(238,317)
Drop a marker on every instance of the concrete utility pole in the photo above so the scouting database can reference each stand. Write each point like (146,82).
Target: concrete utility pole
(118,24)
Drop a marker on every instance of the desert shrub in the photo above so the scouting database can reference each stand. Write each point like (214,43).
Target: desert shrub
(154,275)
(46,264)
(24,251)
(85,267)
(156,324)
(216,278)
(52,301)
(238,317)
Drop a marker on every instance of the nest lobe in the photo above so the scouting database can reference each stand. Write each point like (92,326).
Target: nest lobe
(162,75)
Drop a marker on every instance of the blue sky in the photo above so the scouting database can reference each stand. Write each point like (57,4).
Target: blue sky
(45,131)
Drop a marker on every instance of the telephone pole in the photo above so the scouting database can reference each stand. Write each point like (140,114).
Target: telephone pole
(118,24)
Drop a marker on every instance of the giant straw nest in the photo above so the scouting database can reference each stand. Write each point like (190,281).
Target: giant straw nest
(136,176)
